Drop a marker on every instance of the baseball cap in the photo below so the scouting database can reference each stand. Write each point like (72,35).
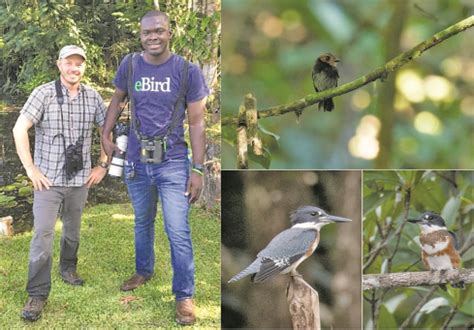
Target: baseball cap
(71,50)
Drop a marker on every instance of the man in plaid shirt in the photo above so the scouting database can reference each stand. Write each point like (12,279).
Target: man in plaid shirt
(59,125)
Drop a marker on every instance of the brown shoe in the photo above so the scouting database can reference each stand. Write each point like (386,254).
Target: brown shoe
(185,312)
(72,278)
(134,282)
(33,308)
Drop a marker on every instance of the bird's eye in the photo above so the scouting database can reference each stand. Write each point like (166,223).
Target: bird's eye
(327,58)
(316,214)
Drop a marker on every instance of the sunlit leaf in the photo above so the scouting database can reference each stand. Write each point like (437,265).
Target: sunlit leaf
(433,304)
(384,176)
(25,191)
(451,209)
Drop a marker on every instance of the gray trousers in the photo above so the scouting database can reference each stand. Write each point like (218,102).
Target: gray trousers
(46,206)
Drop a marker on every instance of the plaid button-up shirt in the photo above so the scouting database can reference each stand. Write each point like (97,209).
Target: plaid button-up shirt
(78,117)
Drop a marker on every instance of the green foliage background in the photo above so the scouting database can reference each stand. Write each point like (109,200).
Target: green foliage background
(447,193)
(270,46)
(34,31)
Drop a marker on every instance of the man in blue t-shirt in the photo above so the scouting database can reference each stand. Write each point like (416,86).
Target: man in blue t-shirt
(156,82)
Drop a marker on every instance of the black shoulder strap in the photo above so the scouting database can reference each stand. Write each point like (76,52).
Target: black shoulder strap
(181,98)
(59,92)
(131,102)
(130,77)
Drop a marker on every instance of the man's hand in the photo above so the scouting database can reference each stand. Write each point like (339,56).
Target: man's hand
(108,146)
(37,178)
(194,187)
(97,174)
(111,117)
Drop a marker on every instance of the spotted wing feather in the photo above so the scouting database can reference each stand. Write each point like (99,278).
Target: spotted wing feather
(273,267)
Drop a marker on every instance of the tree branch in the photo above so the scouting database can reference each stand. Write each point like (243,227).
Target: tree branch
(453,311)
(370,282)
(379,73)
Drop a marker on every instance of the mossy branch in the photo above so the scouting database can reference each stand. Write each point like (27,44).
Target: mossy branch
(379,73)
(395,280)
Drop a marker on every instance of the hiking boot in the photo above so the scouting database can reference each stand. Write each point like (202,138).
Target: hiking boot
(33,308)
(134,282)
(185,312)
(72,278)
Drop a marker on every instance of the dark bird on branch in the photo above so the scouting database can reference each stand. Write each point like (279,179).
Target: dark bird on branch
(290,247)
(438,245)
(325,76)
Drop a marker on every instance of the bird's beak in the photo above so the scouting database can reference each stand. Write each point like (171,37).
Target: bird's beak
(419,221)
(333,218)
(337,60)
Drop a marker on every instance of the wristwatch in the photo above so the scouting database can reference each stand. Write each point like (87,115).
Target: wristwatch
(104,165)
(198,168)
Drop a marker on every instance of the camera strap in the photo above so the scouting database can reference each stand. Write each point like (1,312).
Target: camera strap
(60,99)
(132,59)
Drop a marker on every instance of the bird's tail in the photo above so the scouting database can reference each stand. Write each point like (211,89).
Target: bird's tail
(326,105)
(252,268)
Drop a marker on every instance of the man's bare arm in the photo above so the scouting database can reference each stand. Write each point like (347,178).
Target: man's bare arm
(22,143)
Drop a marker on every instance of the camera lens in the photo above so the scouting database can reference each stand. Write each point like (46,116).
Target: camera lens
(116,165)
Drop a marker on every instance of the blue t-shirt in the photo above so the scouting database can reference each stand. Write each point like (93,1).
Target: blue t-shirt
(155,91)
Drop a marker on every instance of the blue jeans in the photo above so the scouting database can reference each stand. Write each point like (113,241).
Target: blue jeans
(168,181)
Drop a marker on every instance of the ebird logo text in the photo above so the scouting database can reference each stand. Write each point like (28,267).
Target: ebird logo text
(150,85)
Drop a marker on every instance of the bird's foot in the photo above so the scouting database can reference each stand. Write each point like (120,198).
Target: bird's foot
(458,285)
(295,273)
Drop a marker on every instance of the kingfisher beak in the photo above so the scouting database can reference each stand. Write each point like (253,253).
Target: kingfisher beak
(337,60)
(414,220)
(333,218)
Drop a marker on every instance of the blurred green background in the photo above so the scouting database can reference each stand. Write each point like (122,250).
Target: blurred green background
(448,193)
(420,117)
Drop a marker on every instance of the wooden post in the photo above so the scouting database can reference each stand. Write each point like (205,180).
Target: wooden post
(6,227)
(251,117)
(242,157)
(303,302)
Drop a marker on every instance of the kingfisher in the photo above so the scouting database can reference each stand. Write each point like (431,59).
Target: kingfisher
(290,247)
(438,245)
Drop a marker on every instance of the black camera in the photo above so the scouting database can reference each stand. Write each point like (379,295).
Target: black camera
(74,161)
(152,151)
(121,129)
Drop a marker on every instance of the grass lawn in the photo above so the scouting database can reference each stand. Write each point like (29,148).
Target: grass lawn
(106,259)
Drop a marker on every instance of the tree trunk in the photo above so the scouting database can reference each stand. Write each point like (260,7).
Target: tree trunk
(385,104)
(211,71)
(344,193)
